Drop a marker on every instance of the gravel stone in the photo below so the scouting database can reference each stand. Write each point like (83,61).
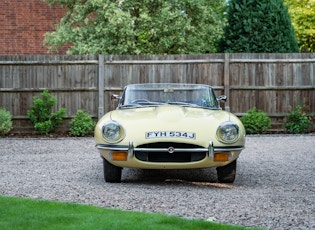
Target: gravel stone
(274,186)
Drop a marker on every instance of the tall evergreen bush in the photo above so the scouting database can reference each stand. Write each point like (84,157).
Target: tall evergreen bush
(258,26)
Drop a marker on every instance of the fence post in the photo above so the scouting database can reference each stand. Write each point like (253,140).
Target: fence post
(227,81)
(100,86)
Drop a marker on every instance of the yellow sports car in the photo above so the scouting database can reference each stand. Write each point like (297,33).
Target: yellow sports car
(169,126)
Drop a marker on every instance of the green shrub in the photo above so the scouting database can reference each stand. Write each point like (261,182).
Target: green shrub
(298,121)
(82,124)
(256,121)
(41,115)
(5,121)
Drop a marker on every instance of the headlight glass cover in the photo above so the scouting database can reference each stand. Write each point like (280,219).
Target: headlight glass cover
(113,132)
(228,132)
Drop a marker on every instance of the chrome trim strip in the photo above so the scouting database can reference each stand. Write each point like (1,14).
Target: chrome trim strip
(112,147)
(130,149)
(166,150)
(230,156)
(228,149)
(210,149)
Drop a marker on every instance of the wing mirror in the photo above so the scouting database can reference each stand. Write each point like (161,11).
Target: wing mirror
(115,97)
(222,98)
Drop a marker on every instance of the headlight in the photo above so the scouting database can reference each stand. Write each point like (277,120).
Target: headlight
(113,132)
(228,132)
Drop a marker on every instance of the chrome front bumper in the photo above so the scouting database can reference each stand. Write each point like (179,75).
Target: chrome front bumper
(131,149)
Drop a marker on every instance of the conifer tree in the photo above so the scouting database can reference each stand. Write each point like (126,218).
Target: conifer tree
(258,26)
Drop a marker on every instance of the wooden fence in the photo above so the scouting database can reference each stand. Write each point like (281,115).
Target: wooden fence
(274,83)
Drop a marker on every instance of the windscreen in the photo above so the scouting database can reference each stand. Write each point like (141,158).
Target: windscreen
(180,94)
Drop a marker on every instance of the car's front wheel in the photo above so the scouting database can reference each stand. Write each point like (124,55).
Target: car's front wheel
(112,173)
(226,174)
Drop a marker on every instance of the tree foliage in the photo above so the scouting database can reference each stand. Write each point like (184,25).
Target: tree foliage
(258,26)
(303,18)
(138,27)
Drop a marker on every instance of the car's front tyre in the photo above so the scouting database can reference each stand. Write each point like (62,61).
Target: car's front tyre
(112,173)
(227,173)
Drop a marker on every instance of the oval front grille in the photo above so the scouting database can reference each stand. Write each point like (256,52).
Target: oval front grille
(171,155)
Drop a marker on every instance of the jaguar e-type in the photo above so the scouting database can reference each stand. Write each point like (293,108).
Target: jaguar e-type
(169,126)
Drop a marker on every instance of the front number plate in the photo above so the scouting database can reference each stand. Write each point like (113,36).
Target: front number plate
(170,134)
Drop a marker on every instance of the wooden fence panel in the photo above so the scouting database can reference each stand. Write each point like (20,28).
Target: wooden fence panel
(274,83)
(71,79)
(273,74)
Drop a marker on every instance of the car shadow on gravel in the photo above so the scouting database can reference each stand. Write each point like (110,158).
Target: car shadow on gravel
(155,175)
(186,177)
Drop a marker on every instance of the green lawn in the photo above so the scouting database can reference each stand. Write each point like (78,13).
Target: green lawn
(22,213)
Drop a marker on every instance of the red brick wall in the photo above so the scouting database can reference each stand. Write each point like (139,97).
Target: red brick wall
(23,24)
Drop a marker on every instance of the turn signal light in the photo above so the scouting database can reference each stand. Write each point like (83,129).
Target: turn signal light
(221,156)
(119,156)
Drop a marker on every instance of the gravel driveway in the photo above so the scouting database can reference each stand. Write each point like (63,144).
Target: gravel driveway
(274,187)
